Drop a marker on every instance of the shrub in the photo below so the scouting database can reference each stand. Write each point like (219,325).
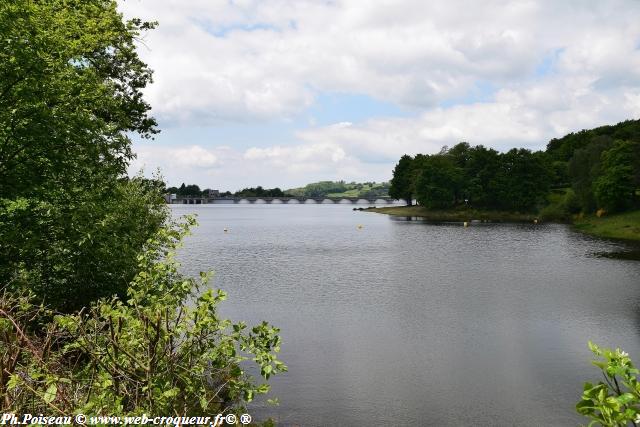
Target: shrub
(162,350)
(615,402)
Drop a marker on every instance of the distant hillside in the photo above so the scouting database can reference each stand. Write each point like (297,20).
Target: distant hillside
(341,189)
(562,149)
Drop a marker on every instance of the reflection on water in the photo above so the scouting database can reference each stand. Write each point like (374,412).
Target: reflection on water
(408,323)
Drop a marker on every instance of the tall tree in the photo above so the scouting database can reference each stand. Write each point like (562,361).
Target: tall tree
(439,182)
(70,92)
(615,187)
(480,186)
(402,183)
(524,179)
(584,169)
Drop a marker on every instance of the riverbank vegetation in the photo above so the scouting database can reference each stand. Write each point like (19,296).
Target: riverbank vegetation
(94,316)
(193,190)
(578,175)
(455,215)
(313,190)
(619,226)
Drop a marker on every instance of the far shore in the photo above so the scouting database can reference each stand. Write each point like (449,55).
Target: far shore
(624,226)
(457,215)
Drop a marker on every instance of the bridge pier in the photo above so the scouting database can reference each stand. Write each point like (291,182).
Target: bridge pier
(287,200)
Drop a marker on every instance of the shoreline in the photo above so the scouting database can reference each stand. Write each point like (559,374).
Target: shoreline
(623,227)
(466,215)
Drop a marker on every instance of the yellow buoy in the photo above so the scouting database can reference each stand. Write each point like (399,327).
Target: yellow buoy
(535,221)
(466,224)
(359,226)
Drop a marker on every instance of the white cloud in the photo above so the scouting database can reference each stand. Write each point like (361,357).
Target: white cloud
(227,168)
(236,61)
(556,67)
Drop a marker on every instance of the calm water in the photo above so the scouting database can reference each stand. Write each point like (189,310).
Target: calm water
(406,323)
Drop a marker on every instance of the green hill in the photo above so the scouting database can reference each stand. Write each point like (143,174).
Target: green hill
(341,189)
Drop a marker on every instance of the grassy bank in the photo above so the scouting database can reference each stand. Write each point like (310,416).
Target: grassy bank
(456,215)
(622,226)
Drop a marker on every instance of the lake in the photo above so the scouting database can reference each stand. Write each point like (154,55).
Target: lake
(402,322)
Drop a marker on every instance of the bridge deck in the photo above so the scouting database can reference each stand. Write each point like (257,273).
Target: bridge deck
(210,200)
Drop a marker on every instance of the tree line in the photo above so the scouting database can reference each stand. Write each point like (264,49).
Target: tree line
(592,169)
(194,191)
(315,189)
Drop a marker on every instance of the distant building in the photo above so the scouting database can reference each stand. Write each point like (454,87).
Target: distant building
(213,193)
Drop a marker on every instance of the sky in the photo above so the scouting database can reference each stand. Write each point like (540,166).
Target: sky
(282,93)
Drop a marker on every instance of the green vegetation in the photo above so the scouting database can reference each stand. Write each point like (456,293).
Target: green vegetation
(402,186)
(341,189)
(261,192)
(70,91)
(577,175)
(193,190)
(620,226)
(477,177)
(161,350)
(616,401)
(94,316)
(455,215)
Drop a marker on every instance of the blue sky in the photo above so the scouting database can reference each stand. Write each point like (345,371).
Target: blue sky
(282,93)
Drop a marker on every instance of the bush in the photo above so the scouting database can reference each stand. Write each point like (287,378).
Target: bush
(615,402)
(562,204)
(72,248)
(162,350)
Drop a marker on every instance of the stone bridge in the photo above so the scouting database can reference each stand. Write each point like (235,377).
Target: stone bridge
(193,200)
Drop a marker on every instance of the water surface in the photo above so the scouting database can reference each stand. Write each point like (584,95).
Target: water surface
(400,322)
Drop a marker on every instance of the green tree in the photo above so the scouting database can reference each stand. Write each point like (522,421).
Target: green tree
(70,92)
(163,349)
(562,149)
(584,169)
(523,180)
(439,182)
(615,187)
(402,183)
(480,170)
(70,88)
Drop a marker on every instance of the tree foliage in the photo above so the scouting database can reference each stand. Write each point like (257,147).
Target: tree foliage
(523,180)
(70,91)
(439,182)
(70,87)
(615,187)
(260,192)
(402,184)
(562,149)
(592,169)
(616,401)
(162,349)
(517,180)
(94,316)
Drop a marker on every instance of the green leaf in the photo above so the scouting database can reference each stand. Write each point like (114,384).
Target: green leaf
(50,393)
